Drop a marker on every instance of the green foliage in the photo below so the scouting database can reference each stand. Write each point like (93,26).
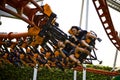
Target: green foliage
(10,72)
(116,78)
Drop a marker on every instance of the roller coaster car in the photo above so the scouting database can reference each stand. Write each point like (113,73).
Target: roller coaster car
(44,30)
(54,32)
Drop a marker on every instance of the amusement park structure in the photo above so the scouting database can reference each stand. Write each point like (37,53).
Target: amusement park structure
(43,29)
(115,4)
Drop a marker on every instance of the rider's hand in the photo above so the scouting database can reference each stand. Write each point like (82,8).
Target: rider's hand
(67,41)
(91,47)
(99,39)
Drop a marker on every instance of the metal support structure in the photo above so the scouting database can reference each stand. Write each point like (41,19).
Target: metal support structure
(35,72)
(84,72)
(86,27)
(81,14)
(116,54)
(75,75)
(115,4)
(0,21)
(87,11)
(114,64)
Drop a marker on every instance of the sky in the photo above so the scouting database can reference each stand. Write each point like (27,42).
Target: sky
(68,14)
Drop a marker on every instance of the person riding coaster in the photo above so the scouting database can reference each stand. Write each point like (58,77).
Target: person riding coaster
(67,49)
(83,39)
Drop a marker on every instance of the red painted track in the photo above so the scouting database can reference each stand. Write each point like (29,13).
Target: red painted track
(97,71)
(104,15)
(24,9)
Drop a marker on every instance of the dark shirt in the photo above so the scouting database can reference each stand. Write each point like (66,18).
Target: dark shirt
(81,35)
(68,49)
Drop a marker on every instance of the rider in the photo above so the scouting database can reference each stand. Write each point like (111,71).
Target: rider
(82,38)
(78,36)
(67,49)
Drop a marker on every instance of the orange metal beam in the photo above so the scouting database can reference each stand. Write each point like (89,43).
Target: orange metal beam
(23,11)
(14,35)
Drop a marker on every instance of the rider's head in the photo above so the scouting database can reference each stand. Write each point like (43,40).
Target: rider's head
(75,29)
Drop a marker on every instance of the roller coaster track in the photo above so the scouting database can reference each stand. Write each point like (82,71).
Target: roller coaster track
(104,15)
(98,71)
(21,8)
(12,35)
(115,4)
(27,14)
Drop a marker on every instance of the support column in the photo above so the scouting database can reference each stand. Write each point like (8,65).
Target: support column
(35,72)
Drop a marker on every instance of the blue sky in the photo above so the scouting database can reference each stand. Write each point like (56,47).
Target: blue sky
(68,13)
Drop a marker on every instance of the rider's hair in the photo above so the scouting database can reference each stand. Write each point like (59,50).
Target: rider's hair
(76,27)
